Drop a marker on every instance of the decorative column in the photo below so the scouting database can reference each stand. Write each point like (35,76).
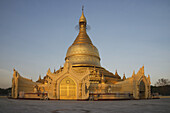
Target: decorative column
(80,90)
(16,89)
(135,90)
(54,89)
(13,88)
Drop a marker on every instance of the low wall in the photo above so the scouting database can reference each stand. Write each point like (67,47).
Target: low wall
(33,95)
(164,96)
(110,96)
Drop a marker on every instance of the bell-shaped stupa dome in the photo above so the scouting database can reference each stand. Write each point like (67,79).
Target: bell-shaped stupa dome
(82,52)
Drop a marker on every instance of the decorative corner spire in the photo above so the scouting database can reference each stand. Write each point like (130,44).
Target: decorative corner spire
(49,71)
(148,76)
(142,70)
(124,77)
(54,70)
(15,73)
(133,73)
(116,72)
(149,79)
(39,78)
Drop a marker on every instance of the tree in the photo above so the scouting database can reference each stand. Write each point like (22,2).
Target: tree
(5,92)
(162,86)
(162,82)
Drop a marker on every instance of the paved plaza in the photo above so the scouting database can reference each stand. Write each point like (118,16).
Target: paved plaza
(54,106)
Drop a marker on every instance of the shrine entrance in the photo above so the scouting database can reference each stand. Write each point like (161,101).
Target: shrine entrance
(142,90)
(68,89)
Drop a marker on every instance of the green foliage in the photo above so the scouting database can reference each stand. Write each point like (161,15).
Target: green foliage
(162,90)
(162,87)
(162,82)
(5,92)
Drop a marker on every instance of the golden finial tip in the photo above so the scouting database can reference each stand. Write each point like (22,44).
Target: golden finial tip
(82,18)
(82,7)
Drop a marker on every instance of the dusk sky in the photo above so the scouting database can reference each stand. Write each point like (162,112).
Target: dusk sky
(35,35)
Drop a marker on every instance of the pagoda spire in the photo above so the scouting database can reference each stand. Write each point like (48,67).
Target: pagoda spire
(116,73)
(82,36)
(82,18)
(133,73)
(54,70)
(39,78)
(49,71)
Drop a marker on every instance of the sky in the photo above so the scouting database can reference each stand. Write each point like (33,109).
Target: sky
(35,35)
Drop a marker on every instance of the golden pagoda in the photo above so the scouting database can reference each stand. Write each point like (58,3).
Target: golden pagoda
(82,77)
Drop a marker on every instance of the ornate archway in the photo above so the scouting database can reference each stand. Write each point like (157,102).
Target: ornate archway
(142,90)
(68,89)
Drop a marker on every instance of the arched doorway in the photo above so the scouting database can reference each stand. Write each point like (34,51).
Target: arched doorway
(142,90)
(68,89)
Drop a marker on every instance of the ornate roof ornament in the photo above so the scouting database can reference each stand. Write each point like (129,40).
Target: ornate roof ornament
(54,70)
(116,74)
(133,73)
(39,79)
(124,77)
(49,71)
